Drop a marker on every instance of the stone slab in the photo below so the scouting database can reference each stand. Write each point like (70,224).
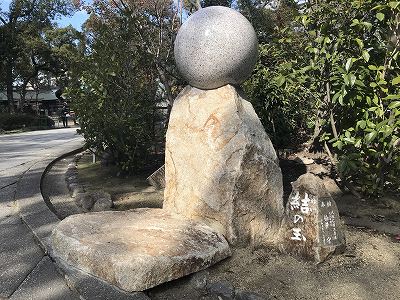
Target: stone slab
(44,283)
(137,249)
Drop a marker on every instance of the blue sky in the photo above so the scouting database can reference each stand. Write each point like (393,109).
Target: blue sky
(76,20)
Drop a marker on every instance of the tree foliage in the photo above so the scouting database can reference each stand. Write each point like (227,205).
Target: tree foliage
(335,68)
(27,33)
(354,48)
(125,72)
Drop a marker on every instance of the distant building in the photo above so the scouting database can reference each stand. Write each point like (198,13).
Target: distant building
(42,102)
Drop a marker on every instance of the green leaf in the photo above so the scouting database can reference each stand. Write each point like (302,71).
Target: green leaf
(361,124)
(396,80)
(392,97)
(349,63)
(352,79)
(280,80)
(380,16)
(394,4)
(394,104)
(341,100)
(366,24)
(360,43)
(360,83)
(305,20)
(365,55)
(336,96)
(372,67)
(338,144)
(358,143)
(371,136)
(373,84)
(346,79)
(355,22)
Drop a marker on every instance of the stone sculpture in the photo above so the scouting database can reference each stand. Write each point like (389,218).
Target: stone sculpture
(223,183)
(214,47)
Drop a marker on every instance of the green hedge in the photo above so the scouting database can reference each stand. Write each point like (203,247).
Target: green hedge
(19,121)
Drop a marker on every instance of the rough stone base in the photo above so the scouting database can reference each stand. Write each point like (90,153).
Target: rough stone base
(221,167)
(138,249)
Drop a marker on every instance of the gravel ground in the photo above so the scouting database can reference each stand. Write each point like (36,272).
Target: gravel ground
(369,269)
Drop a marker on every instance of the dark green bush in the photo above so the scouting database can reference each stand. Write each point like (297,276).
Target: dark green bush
(19,121)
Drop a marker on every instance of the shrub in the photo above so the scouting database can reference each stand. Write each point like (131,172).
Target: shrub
(19,121)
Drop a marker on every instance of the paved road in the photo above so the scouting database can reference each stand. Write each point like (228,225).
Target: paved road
(25,271)
(17,149)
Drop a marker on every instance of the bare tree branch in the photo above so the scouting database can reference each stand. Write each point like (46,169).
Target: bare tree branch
(3,20)
(196,4)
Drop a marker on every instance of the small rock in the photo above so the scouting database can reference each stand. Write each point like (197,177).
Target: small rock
(103,203)
(304,160)
(70,173)
(224,289)
(243,295)
(93,201)
(72,179)
(78,198)
(86,202)
(199,279)
(73,186)
(317,170)
(72,166)
(76,191)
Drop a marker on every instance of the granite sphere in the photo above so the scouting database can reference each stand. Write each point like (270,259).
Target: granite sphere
(214,47)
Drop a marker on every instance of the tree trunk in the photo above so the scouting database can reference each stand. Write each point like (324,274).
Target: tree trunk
(331,117)
(10,92)
(167,87)
(22,99)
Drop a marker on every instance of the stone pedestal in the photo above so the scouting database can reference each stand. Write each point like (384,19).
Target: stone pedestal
(221,167)
(312,228)
(138,249)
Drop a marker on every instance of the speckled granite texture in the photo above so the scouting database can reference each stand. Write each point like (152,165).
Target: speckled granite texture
(216,46)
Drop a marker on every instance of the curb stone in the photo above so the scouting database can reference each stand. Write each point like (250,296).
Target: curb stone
(88,201)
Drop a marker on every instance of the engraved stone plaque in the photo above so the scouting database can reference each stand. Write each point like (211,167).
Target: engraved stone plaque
(312,227)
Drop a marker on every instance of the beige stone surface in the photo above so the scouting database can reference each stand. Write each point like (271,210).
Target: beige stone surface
(221,167)
(137,249)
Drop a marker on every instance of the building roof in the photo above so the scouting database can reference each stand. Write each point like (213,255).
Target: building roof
(45,95)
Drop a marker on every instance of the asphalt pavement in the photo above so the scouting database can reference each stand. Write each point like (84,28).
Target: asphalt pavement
(26,272)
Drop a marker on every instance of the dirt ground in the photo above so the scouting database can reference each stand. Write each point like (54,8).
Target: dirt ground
(368,269)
